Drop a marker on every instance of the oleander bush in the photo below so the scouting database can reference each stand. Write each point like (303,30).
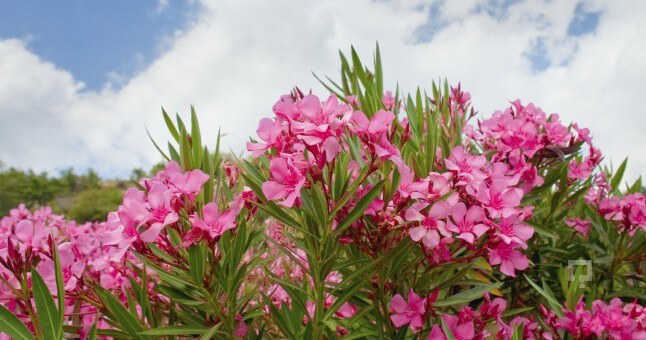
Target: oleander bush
(364,214)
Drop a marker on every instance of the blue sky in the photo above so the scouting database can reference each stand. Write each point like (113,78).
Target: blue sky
(101,41)
(583,59)
(93,39)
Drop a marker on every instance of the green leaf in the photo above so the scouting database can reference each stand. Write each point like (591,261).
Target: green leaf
(60,286)
(212,332)
(196,140)
(48,316)
(618,176)
(176,330)
(12,326)
(516,311)
(93,331)
(466,296)
(157,146)
(197,263)
(170,125)
(126,321)
(554,304)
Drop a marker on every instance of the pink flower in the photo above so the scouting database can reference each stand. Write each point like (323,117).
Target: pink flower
(286,184)
(582,227)
(467,166)
(71,266)
(431,227)
(31,234)
(189,183)
(270,131)
(579,170)
(510,229)
(211,226)
(377,124)
(408,313)
(499,200)
(508,258)
(388,100)
(161,213)
(241,328)
(467,223)
(461,329)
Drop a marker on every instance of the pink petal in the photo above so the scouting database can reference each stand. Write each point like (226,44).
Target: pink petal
(381,121)
(417,233)
(24,230)
(524,232)
(439,210)
(310,106)
(265,128)
(399,320)
(151,233)
(458,211)
(272,190)
(507,267)
(398,304)
(413,214)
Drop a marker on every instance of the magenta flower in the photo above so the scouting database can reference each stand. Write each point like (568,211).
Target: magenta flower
(498,199)
(461,329)
(467,166)
(408,313)
(467,223)
(31,234)
(510,229)
(431,226)
(161,213)
(270,131)
(508,258)
(377,124)
(286,184)
(211,226)
(582,227)
(72,268)
(388,100)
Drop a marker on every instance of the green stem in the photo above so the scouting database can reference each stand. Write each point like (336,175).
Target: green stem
(317,323)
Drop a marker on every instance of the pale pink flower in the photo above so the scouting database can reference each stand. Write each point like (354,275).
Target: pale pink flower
(467,223)
(508,258)
(431,226)
(408,313)
(581,226)
(286,184)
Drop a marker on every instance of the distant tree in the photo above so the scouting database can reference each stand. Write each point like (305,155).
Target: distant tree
(17,186)
(94,204)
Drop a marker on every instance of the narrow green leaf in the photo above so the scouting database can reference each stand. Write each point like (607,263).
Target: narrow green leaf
(466,296)
(197,263)
(126,321)
(12,326)
(619,174)
(48,316)
(157,146)
(60,286)
(176,330)
(170,125)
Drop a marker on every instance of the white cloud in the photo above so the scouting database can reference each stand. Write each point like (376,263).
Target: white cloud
(238,57)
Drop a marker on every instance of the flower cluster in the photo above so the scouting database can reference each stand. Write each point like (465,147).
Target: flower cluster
(146,211)
(484,322)
(26,241)
(616,320)
(475,204)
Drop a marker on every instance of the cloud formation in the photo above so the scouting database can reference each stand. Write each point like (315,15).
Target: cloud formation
(238,57)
